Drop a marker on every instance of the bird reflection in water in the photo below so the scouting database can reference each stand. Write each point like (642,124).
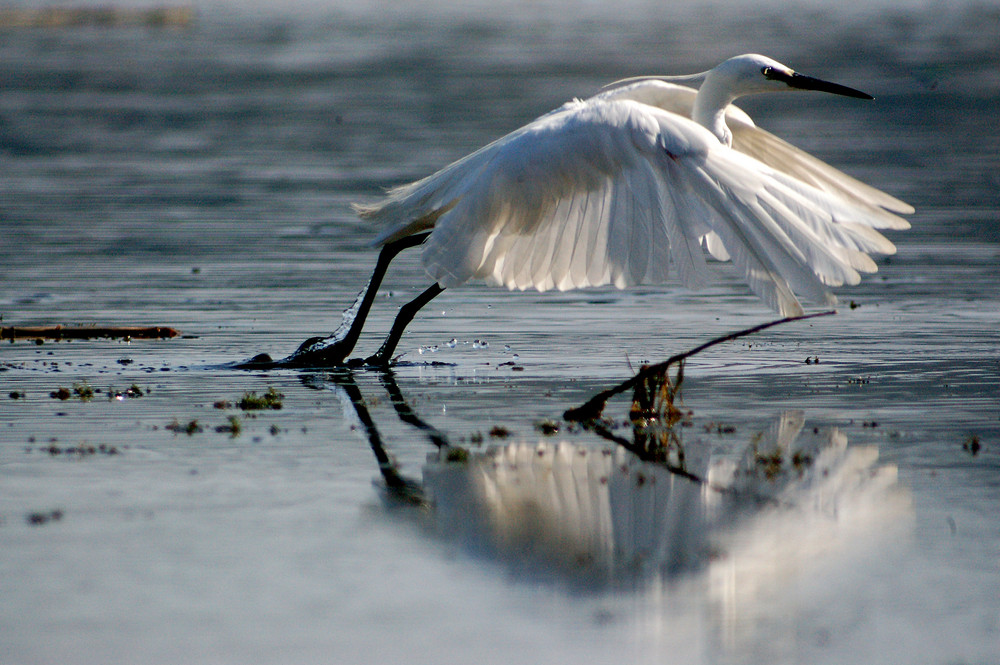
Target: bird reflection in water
(635,509)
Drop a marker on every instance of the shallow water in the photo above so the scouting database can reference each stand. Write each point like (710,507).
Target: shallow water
(200,179)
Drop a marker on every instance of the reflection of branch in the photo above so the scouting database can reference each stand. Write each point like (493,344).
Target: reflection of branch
(591,410)
(655,455)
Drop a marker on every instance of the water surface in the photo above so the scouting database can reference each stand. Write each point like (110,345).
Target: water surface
(201,179)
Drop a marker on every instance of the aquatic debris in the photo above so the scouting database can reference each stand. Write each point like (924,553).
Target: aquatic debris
(456,455)
(547,427)
(772,464)
(719,428)
(801,461)
(769,463)
(81,450)
(14,394)
(251,401)
(499,432)
(167,16)
(132,392)
(61,393)
(190,428)
(37,518)
(779,462)
(972,445)
(39,333)
(234,428)
(81,391)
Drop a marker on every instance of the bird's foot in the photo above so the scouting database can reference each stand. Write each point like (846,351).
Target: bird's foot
(378,361)
(315,352)
(259,361)
(319,352)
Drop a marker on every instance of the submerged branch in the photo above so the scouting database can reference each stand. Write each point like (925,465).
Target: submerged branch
(592,409)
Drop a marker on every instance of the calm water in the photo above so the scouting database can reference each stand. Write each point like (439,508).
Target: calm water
(201,179)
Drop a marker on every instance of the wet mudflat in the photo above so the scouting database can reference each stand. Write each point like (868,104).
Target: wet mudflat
(840,476)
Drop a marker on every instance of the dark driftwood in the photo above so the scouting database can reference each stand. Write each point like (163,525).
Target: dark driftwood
(86,332)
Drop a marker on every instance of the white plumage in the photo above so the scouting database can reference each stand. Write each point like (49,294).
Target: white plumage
(636,184)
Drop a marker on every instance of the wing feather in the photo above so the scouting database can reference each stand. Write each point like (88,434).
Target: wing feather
(771,150)
(616,190)
(777,153)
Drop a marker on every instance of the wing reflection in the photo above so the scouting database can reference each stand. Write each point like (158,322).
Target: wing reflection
(643,509)
(591,515)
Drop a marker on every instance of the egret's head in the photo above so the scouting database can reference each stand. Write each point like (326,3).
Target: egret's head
(752,73)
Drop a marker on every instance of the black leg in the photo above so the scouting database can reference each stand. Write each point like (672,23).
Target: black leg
(332,350)
(406,314)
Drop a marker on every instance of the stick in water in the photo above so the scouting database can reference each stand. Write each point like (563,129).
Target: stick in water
(592,408)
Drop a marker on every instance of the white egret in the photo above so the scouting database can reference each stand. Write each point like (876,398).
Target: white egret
(634,184)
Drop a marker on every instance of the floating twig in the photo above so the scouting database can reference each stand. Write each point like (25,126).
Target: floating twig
(86,332)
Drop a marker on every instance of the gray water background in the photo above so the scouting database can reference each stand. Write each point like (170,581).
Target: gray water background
(201,179)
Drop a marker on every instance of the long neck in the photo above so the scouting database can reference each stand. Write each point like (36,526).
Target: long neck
(710,105)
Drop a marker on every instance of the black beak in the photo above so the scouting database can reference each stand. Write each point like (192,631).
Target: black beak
(802,82)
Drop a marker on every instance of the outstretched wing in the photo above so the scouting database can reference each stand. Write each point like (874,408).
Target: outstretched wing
(769,149)
(614,191)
